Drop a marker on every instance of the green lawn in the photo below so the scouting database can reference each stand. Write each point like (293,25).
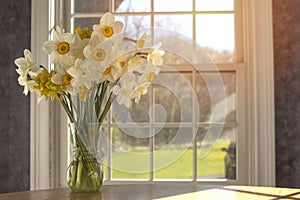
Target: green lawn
(170,163)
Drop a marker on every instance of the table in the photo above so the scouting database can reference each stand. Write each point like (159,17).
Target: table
(160,192)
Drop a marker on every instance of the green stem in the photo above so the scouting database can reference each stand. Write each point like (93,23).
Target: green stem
(84,171)
(64,102)
(106,108)
(89,162)
(99,99)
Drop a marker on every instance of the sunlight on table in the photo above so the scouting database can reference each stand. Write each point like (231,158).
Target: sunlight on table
(239,192)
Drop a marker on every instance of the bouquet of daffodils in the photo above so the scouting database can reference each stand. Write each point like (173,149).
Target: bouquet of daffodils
(92,68)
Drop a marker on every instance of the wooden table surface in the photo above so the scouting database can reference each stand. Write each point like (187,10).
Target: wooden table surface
(160,192)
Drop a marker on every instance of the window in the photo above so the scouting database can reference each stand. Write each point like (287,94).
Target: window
(238,66)
(210,23)
(172,138)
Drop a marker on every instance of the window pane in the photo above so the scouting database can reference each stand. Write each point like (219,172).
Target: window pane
(216,152)
(182,24)
(215,34)
(172,5)
(104,149)
(173,95)
(214,5)
(86,22)
(173,157)
(134,23)
(130,153)
(91,6)
(205,98)
(132,6)
(139,112)
(172,58)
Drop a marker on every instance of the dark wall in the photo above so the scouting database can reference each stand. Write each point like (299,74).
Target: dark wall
(286,27)
(15,112)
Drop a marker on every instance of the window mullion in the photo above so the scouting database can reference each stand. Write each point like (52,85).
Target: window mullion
(111,6)
(152,134)
(238,24)
(195,128)
(194,21)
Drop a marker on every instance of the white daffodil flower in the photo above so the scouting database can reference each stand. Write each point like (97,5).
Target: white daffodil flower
(113,72)
(124,90)
(144,41)
(63,79)
(82,75)
(27,69)
(79,46)
(61,48)
(155,57)
(148,74)
(28,84)
(107,27)
(105,60)
(135,62)
(139,91)
(93,42)
(26,64)
(118,68)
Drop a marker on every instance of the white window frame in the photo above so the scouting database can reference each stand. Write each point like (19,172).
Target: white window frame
(39,117)
(48,139)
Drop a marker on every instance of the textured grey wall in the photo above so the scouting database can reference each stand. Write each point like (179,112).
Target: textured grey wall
(14,115)
(286,27)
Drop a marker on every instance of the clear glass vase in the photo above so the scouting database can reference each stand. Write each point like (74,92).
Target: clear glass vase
(85,172)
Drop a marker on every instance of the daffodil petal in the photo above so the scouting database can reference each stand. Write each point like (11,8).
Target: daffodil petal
(20,62)
(73,72)
(27,55)
(57,78)
(107,18)
(49,46)
(70,38)
(117,26)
